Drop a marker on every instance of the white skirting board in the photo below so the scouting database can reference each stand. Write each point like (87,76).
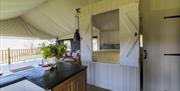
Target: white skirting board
(114,77)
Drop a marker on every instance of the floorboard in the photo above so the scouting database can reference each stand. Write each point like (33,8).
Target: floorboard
(94,88)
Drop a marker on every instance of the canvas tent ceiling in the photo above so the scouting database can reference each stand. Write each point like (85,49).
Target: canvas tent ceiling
(11,9)
(56,18)
(52,18)
(19,28)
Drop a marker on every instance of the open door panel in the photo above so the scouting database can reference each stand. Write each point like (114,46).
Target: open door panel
(129,35)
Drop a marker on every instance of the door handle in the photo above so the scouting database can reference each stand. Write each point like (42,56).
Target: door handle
(145,54)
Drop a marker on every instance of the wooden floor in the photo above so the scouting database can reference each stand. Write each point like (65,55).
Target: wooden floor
(94,88)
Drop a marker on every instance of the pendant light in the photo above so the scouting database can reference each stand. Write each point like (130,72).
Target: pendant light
(77,34)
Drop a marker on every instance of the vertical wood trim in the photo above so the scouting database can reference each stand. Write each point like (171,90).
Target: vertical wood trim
(9,56)
(3,59)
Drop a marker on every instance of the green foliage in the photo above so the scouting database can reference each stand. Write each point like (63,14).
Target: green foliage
(53,50)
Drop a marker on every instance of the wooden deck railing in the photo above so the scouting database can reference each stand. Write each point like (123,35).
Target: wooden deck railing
(16,55)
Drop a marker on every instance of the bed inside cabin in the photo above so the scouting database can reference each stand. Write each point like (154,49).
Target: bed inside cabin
(106,56)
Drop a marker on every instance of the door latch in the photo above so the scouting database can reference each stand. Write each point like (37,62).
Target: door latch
(145,54)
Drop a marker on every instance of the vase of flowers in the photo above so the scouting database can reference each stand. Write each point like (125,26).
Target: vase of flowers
(52,53)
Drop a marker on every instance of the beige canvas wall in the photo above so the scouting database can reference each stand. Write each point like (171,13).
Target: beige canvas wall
(164,4)
(153,6)
(104,6)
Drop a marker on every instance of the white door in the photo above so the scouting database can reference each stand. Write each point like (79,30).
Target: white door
(129,35)
(162,43)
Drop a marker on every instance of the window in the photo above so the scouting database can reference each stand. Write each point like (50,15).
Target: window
(68,44)
(21,43)
(141,40)
(95,44)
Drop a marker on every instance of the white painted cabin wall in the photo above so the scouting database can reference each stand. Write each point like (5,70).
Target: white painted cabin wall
(115,77)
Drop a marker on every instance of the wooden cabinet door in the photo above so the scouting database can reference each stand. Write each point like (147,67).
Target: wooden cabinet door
(75,83)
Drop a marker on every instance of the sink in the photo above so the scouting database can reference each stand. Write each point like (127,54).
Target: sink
(23,85)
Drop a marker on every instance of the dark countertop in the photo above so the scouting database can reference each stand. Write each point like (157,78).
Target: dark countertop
(45,79)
